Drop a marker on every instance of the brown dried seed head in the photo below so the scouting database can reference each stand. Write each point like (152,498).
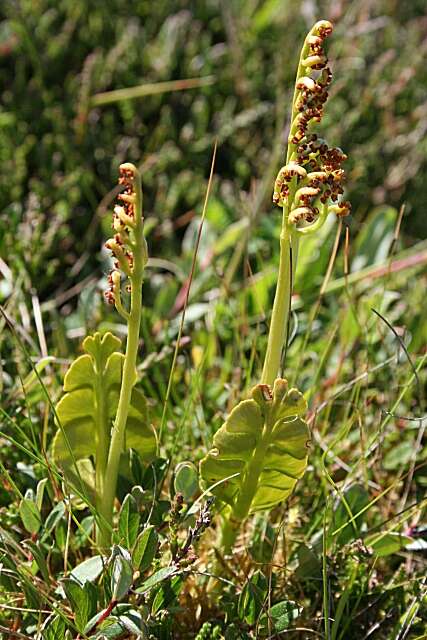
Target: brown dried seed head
(314,62)
(300,213)
(314,40)
(306,83)
(342,209)
(323,28)
(306,192)
(294,169)
(298,136)
(316,176)
(127,173)
(109,296)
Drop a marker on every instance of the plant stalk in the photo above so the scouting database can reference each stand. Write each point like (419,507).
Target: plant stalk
(103,438)
(129,370)
(234,517)
(279,327)
(277,338)
(281,309)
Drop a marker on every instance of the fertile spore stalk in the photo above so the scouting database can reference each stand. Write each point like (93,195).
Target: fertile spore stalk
(307,188)
(129,249)
(260,452)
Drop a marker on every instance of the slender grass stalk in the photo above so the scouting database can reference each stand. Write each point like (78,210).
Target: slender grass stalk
(130,250)
(149,89)
(325,581)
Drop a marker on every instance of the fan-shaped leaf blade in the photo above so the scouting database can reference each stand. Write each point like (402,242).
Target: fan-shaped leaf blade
(87,410)
(264,441)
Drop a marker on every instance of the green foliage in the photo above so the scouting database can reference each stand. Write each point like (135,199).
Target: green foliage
(121,574)
(260,451)
(88,408)
(129,519)
(145,549)
(88,570)
(343,556)
(157,578)
(252,597)
(30,515)
(282,614)
(388,542)
(83,601)
(186,480)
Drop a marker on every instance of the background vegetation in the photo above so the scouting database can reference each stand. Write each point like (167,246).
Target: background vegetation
(60,146)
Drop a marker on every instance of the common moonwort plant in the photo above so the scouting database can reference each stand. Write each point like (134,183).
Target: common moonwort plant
(260,452)
(102,414)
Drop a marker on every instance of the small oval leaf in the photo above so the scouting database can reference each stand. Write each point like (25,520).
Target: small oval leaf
(186,480)
(40,492)
(121,578)
(145,549)
(89,570)
(388,542)
(157,578)
(128,522)
(30,515)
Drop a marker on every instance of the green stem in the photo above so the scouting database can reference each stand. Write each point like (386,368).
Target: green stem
(289,241)
(251,478)
(103,439)
(226,540)
(233,518)
(228,535)
(281,308)
(129,368)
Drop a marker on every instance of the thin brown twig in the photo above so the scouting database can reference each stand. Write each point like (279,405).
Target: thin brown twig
(14,634)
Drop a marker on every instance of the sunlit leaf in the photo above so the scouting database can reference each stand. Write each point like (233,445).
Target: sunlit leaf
(88,570)
(157,577)
(41,485)
(54,628)
(30,515)
(83,601)
(186,480)
(264,441)
(121,577)
(145,549)
(88,408)
(283,613)
(167,593)
(128,521)
(388,542)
